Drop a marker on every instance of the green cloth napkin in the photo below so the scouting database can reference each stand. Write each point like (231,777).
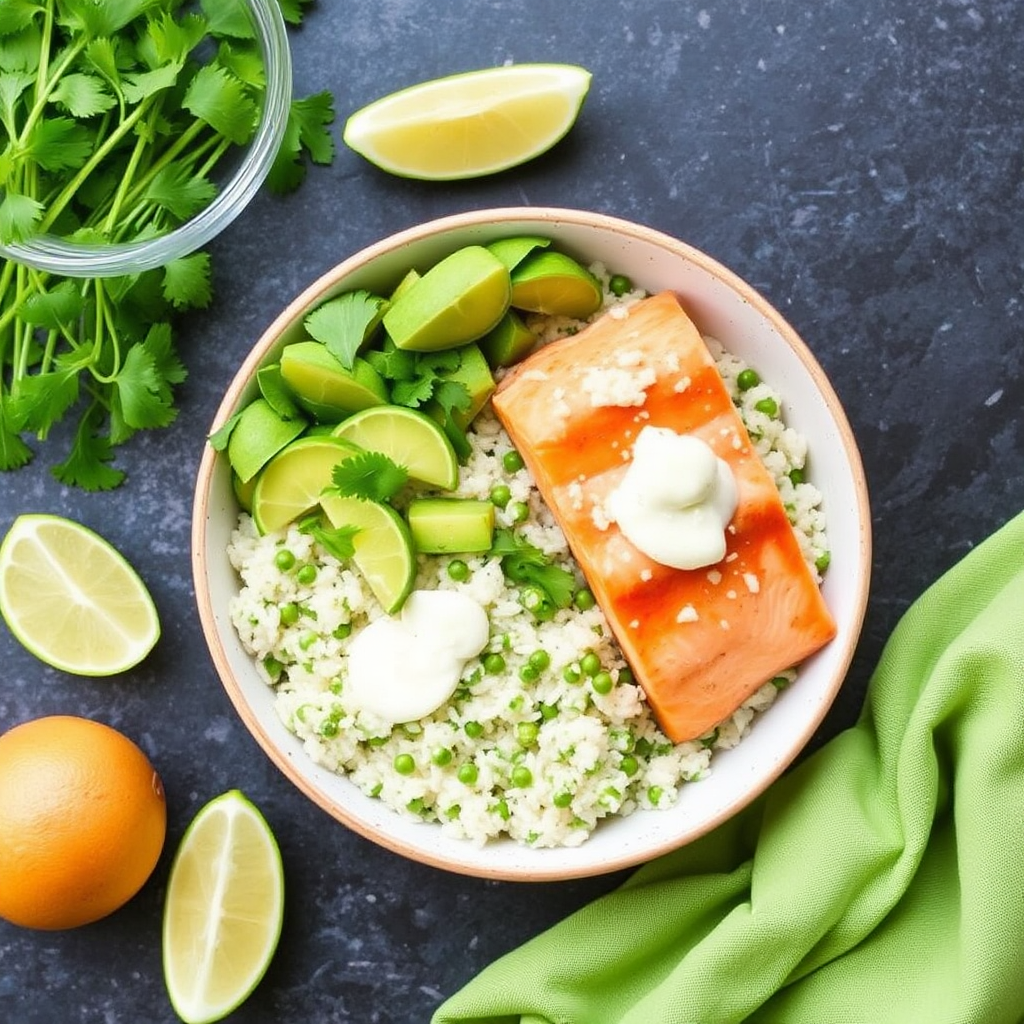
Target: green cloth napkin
(879,882)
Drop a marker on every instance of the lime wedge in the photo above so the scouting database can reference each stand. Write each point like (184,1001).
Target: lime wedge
(456,301)
(72,599)
(555,284)
(410,438)
(260,433)
(383,546)
(223,909)
(291,482)
(472,124)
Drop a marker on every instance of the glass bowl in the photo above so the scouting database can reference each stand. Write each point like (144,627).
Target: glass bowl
(72,259)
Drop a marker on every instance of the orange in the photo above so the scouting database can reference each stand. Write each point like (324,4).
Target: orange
(82,821)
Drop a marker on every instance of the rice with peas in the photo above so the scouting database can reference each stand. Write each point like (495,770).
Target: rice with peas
(547,733)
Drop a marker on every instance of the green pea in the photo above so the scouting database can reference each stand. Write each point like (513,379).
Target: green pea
(518,511)
(535,600)
(571,674)
(526,733)
(528,674)
(468,773)
(548,711)
(494,663)
(796,476)
(328,728)
(289,613)
(643,747)
(512,461)
(502,811)
(307,574)
(602,683)
(540,660)
(629,765)
(521,776)
(654,795)
(458,571)
(342,631)
(404,764)
(822,562)
(619,284)
(625,675)
(441,756)
(474,730)
(273,666)
(307,640)
(500,495)
(583,599)
(590,664)
(780,682)
(747,379)
(563,798)
(284,559)
(768,406)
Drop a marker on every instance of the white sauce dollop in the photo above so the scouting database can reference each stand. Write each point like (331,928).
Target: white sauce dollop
(676,499)
(404,667)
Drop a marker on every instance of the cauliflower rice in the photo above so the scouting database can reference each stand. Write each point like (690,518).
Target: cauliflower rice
(532,751)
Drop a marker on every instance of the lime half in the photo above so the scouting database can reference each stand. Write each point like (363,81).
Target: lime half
(383,546)
(291,482)
(410,438)
(72,599)
(223,909)
(467,125)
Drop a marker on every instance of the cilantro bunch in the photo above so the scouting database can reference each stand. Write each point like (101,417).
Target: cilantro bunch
(114,118)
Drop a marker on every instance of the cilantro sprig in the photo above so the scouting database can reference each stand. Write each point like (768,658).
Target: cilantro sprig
(114,118)
(372,476)
(525,564)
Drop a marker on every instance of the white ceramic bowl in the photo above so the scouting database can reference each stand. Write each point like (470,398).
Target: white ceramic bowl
(723,306)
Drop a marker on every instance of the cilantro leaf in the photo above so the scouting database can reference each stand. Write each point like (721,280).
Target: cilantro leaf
(217,97)
(14,453)
(177,189)
(306,132)
(83,95)
(521,562)
(335,540)
(19,216)
(41,399)
(292,10)
(345,322)
(86,464)
(369,475)
(187,281)
(55,309)
(393,363)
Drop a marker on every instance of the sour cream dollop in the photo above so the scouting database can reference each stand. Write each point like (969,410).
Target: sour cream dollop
(675,500)
(404,667)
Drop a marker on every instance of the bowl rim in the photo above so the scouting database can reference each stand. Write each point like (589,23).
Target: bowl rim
(505,217)
(57,255)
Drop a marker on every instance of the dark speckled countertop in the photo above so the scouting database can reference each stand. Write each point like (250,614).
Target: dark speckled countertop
(860,164)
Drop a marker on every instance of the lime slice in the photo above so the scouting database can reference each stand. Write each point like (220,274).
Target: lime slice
(260,433)
(72,599)
(383,546)
(223,909)
(293,479)
(555,284)
(410,438)
(467,125)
